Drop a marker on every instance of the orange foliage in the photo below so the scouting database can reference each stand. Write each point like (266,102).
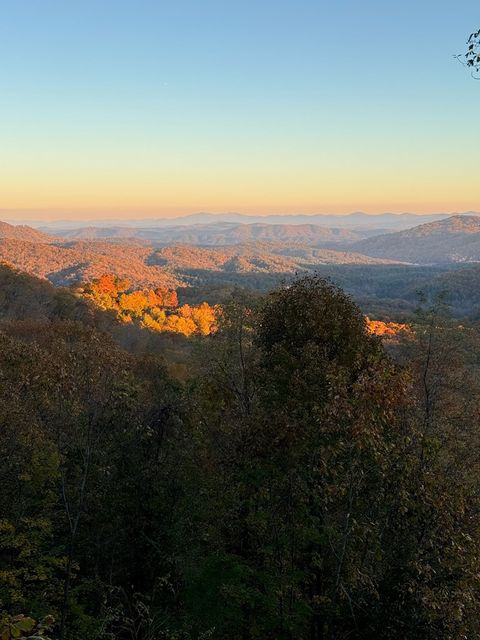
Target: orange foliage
(106,284)
(111,285)
(135,302)
(156,310)
(386,329)
(204,317)
(167,297)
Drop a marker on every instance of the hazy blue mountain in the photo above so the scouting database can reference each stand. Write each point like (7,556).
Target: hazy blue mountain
(357,220)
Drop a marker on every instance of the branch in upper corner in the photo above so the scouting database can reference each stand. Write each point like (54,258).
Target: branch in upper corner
(471,58)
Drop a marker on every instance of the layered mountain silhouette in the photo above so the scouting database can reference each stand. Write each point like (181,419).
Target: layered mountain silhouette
(357,220)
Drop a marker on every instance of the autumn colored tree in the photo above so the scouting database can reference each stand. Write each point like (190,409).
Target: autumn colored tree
(204,317)
(297,484)
(156,310)
(107,284)
(167,297)
(133,303)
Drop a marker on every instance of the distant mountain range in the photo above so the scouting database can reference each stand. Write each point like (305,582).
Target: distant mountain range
(357,220)
(383,272)
(75,261)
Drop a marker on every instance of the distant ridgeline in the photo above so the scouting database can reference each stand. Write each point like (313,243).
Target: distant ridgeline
(154,309)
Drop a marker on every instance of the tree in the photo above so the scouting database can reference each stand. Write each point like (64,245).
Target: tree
(332,496)
(86,484)
(297,412)
(299,485)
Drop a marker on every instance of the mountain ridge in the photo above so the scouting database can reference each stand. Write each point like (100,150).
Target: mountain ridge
(350,220)
(455,239)
(223,233)
(23,232)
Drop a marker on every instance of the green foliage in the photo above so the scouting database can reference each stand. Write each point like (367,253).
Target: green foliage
(329,483)
(299,485)
(21,626)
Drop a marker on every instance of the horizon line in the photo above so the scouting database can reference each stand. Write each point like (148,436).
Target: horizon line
(26,215)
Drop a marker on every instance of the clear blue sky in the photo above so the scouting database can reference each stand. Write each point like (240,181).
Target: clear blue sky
(257,106)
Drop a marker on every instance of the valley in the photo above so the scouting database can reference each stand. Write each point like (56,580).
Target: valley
(384,272)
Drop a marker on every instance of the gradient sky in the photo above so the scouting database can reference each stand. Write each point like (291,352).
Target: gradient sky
(148,107)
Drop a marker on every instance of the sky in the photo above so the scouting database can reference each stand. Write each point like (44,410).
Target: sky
(152,108)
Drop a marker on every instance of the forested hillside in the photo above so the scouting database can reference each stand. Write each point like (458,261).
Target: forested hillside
(384,288)
(225,234)
(456,239)
(298,483)
(65,263)
(239,320)
(23,232)
(68,263)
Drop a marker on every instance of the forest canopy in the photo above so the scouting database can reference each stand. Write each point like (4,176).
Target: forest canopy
(299,484)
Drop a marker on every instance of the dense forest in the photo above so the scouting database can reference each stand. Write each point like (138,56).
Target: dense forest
(296,479)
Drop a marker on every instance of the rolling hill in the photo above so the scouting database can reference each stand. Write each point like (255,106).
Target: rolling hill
(23,232)
(224,233)
(383,288)
(454,240)
(144,264)
(255,258)
(68,263)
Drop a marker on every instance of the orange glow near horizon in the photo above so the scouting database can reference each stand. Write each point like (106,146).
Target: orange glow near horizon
(304,183)
(51,214)
(79,202)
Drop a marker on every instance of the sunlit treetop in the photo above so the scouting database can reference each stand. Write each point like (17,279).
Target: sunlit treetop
(153,309)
